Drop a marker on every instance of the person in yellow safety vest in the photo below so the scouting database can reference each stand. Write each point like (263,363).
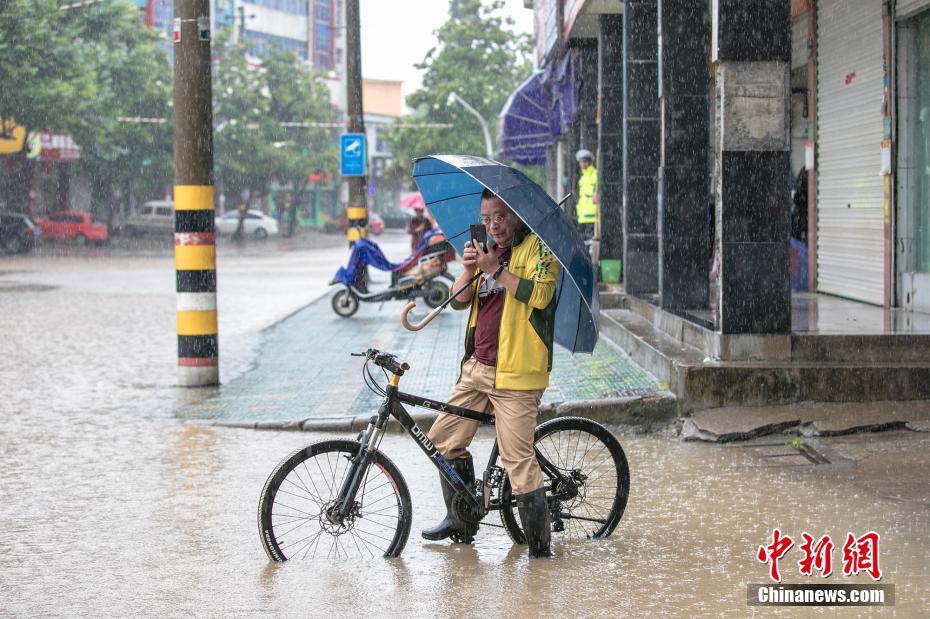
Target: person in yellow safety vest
(586,208)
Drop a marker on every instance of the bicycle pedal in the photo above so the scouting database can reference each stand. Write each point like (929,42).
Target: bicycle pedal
(461,538)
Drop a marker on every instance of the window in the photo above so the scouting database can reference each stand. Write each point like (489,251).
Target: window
(252,216)
(261,44)
(58,218)
(163,211)
(323,10)
(294,7)
(382,145)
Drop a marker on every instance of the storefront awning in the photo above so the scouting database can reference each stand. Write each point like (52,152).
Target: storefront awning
(524,131)
(537,112)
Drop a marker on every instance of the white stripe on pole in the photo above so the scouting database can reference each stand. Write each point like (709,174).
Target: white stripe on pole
(196,301)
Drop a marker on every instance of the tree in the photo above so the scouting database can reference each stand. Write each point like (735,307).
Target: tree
(44,78)
(260,113)
(78,71)
(477,58)
(126,133)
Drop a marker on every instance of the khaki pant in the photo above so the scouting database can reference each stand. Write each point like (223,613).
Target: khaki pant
(515,419)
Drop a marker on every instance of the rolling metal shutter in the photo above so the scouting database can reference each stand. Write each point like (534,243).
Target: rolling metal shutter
(850,231)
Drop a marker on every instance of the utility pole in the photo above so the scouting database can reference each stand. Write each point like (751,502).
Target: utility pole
(357,211)
(194,240)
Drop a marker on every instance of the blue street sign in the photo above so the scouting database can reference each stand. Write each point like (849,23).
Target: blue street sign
(352,154)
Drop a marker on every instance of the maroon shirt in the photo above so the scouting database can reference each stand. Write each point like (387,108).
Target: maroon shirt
(490,308)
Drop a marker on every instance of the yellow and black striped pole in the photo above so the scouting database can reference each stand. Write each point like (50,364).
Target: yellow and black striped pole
(358,221)
(194,240)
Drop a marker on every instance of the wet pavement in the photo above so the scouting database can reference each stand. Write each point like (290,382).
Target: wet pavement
(113,508)
(304,369)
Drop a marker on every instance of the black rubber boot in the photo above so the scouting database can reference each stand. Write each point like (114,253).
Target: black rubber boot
(460,532)
(534,515)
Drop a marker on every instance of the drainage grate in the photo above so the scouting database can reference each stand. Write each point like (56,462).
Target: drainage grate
(794,452)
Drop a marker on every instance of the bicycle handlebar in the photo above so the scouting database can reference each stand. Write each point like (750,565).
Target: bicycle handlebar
(385,360)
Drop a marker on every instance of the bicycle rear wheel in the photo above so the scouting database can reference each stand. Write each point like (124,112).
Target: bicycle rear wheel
(591,456)
(292,510)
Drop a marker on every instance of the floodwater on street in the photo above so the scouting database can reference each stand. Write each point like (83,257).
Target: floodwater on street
(112,509)
(154,519)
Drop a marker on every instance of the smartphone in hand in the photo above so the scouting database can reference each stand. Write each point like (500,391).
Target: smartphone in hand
(480,233)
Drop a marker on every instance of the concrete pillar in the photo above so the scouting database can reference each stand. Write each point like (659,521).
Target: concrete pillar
(587,104)
(640,147)
(752,49)
(685,240)
(610,135)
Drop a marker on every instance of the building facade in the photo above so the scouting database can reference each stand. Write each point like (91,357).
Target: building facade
(709,121)
(312,29)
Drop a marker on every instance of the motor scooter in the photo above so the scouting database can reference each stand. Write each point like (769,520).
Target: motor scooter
(419,276)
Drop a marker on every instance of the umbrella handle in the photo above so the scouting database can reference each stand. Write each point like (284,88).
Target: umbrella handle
(429,317)
(416,327)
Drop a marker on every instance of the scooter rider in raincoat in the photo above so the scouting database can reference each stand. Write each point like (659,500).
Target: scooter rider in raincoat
(508,356)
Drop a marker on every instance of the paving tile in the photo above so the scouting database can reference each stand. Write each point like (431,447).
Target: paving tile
(304,368)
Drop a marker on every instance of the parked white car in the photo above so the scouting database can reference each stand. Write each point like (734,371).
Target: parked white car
(257,224)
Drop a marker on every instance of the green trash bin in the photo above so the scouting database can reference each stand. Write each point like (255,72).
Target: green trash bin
(611,271)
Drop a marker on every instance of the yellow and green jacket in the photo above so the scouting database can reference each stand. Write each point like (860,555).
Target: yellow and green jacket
(586,209)
(524,345)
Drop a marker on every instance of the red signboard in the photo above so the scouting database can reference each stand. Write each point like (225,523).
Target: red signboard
(59,147)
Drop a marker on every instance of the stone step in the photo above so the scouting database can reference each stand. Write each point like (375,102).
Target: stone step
(655,351)
(892,347)
(802,346)
(702,382)
(728,383)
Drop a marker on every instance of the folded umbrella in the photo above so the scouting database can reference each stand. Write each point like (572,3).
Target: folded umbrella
(451,186)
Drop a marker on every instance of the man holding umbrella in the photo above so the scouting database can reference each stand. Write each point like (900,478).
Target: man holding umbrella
(508,356)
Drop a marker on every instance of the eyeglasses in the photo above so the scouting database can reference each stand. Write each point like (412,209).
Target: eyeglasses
(485,220)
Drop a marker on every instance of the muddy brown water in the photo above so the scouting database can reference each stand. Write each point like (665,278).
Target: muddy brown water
(112,508)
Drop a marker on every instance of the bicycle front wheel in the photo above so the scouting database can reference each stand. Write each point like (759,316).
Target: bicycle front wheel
(590,456)
(294,509)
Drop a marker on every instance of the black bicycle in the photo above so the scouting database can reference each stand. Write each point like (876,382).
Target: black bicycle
(340,498)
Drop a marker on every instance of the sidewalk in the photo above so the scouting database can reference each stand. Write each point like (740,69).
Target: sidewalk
(304,370)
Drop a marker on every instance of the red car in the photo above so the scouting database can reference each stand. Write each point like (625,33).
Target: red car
(73,226)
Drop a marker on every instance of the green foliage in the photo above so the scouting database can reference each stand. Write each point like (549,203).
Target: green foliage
(78,71)
(482,61)
(134,80)
(81,70)
(250,103)
(44,76)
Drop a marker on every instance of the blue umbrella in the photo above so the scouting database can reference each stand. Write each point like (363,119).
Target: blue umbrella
(451,186)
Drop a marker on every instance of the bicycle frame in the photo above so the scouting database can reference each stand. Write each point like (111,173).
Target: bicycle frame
(392,407)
